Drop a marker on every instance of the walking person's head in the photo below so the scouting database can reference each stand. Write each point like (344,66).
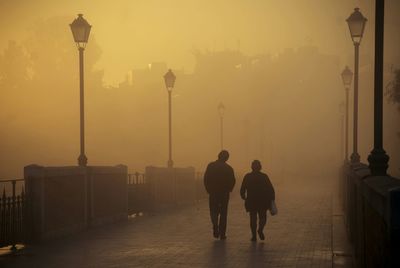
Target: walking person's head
(223,156)
(256,165)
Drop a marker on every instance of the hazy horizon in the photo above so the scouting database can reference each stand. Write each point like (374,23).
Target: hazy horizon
(132,34)
(274,64)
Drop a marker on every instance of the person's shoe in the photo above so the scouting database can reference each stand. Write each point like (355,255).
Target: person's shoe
(261,234)
(253,238)
(222,237)
(216,234)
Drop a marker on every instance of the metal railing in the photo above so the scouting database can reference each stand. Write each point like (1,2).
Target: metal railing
(140,196)
(13,213)
(200,189)
(138,193)
(16,208)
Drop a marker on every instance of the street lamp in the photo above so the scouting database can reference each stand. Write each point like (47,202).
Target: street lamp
(356,23)
(342,112)
(169,79)
(347,77)
(221,111)
(80,30)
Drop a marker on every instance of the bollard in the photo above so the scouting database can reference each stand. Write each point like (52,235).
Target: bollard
(13,224)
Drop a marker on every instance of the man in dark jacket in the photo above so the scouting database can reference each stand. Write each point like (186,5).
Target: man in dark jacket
(258,193)
(219,180)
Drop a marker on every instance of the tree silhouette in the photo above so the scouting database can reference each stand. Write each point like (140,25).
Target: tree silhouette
(393,90)
(55,57)
(14,67)
(39,95)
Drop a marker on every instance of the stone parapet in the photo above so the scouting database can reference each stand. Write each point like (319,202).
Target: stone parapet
(372,205)
(66,200)
(171,186)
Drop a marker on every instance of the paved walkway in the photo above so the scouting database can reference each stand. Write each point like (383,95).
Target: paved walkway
(300,236)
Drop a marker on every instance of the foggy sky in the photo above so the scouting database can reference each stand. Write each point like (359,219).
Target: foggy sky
(133,34)
(275,64)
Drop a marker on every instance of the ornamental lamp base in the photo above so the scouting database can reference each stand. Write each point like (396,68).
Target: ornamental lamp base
(378,162)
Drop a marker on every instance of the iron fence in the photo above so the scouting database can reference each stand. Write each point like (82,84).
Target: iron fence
(140,196)
(16,215)
(13,213)
(200,189)
(138,193)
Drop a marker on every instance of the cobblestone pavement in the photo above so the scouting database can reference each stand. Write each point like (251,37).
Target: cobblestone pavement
(299,236)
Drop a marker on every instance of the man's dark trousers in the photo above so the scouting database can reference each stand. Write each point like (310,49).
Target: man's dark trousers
(218,211)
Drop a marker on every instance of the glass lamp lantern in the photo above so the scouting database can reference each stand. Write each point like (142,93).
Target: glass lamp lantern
(169,79)
(347,76)
(80,31)
(356,23)
(221,109)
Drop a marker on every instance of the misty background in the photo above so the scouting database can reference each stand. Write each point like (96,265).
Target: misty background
(274,64)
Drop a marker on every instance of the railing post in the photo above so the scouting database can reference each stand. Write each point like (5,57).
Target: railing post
(13,217)
(3,217)
(24,216)
(137,177)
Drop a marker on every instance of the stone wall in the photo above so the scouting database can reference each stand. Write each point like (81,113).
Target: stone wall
(66,200)
(171,186)
(108,194)
(372,207)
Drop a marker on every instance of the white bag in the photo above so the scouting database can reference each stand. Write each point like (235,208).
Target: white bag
(273,210)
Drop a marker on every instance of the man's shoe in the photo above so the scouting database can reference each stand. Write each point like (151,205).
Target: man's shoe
(215,232)
(222,237)
(261,234)
(253,238)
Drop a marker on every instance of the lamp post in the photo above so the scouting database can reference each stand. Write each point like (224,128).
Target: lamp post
(221,111)
(356,23)
(347,77)
(169,79)
(80,30)
(342,130)
(378,159)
